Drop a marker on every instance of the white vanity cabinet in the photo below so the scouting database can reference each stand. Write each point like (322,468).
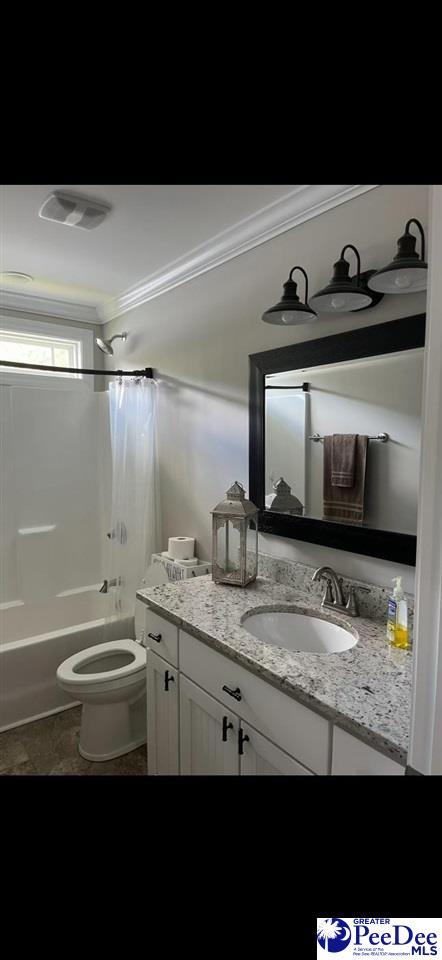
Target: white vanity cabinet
(215,741)
(353,758)
(162,716)
(214,717)
(282,721)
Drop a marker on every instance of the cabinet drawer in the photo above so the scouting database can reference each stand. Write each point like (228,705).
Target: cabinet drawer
(351,757)
(166,644)
(290,725)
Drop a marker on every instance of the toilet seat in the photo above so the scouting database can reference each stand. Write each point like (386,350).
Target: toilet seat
(68,671)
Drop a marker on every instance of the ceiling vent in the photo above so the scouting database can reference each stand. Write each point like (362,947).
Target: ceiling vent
(73,210)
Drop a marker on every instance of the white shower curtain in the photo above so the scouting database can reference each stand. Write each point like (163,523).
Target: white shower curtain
(134,527)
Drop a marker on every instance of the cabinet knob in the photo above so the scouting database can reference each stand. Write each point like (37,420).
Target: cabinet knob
(155,636)
(226,726)
(236,694)
(242,738)
(168,678)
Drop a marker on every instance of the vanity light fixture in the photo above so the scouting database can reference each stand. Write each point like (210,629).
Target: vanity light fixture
(290,310)
(407,272)
(344,293)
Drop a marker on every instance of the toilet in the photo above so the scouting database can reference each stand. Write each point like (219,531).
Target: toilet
(109,679)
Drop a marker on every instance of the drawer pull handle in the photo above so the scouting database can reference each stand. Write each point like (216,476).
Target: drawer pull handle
(155,636)
(242,738)
(236,694)
(167,679)
(226,726)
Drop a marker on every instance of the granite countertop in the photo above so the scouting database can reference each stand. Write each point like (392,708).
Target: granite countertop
(365,690)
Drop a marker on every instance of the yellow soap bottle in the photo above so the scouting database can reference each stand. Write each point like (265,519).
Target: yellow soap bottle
(397,621)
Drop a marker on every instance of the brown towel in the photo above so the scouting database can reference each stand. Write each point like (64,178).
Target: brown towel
(345,504)
(343,459)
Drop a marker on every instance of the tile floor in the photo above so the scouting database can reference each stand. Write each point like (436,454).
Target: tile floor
(49,746)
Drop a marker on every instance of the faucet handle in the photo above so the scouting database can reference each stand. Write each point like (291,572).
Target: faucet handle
(351,606)
(327,598)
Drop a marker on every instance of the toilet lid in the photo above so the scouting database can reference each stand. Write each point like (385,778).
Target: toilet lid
(75,669)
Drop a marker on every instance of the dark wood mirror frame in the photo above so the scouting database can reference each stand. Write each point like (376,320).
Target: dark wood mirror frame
(396,335)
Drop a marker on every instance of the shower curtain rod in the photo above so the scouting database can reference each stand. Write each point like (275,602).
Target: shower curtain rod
(147,372)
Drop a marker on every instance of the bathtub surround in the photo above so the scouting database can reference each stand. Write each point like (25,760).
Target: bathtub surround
(67,493)
(55,458)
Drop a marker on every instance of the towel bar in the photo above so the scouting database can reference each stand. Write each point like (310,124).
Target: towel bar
(382,437)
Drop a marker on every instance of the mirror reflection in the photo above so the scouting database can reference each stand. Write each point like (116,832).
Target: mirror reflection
(342,441)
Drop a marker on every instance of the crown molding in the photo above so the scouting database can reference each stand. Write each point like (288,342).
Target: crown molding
(302,204)
(49,307)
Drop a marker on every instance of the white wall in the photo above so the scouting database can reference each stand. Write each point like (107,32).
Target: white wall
(426,727)
(198,338)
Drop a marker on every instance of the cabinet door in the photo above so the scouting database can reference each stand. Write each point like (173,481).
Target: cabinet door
(208,734)
(353,758)
(162,717)
(299,731)
(260,757)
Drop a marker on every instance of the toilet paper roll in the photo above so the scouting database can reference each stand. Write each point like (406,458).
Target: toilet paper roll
(181,548)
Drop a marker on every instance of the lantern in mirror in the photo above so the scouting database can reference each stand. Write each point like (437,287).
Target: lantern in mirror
(285,501)
(235,538)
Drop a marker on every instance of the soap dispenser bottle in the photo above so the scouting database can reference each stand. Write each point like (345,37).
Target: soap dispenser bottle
(397,620)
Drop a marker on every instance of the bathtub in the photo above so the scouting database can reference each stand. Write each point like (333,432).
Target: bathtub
(36,638)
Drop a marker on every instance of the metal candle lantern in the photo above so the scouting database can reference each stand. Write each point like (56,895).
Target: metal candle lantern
(235,538)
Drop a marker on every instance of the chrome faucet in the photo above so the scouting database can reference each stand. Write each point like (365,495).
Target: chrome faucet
(333,597)
(115,582)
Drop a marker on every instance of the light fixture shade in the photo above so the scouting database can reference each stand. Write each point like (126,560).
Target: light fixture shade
(290,311)
(345,294)
(407,272)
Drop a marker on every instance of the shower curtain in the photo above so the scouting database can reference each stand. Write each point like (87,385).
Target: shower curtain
(134,532)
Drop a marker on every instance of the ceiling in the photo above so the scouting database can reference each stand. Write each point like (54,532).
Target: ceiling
(155,237)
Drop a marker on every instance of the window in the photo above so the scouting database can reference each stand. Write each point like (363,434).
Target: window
(31,341)
(51,351)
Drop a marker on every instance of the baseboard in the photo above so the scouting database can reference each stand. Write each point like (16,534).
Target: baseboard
(40,716)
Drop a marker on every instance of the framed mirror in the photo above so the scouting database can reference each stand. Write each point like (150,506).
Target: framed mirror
(334,439)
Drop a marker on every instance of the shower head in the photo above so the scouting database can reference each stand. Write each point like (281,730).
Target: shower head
(105,345)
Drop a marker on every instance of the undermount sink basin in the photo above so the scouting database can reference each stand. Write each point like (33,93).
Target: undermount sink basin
(298,631)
